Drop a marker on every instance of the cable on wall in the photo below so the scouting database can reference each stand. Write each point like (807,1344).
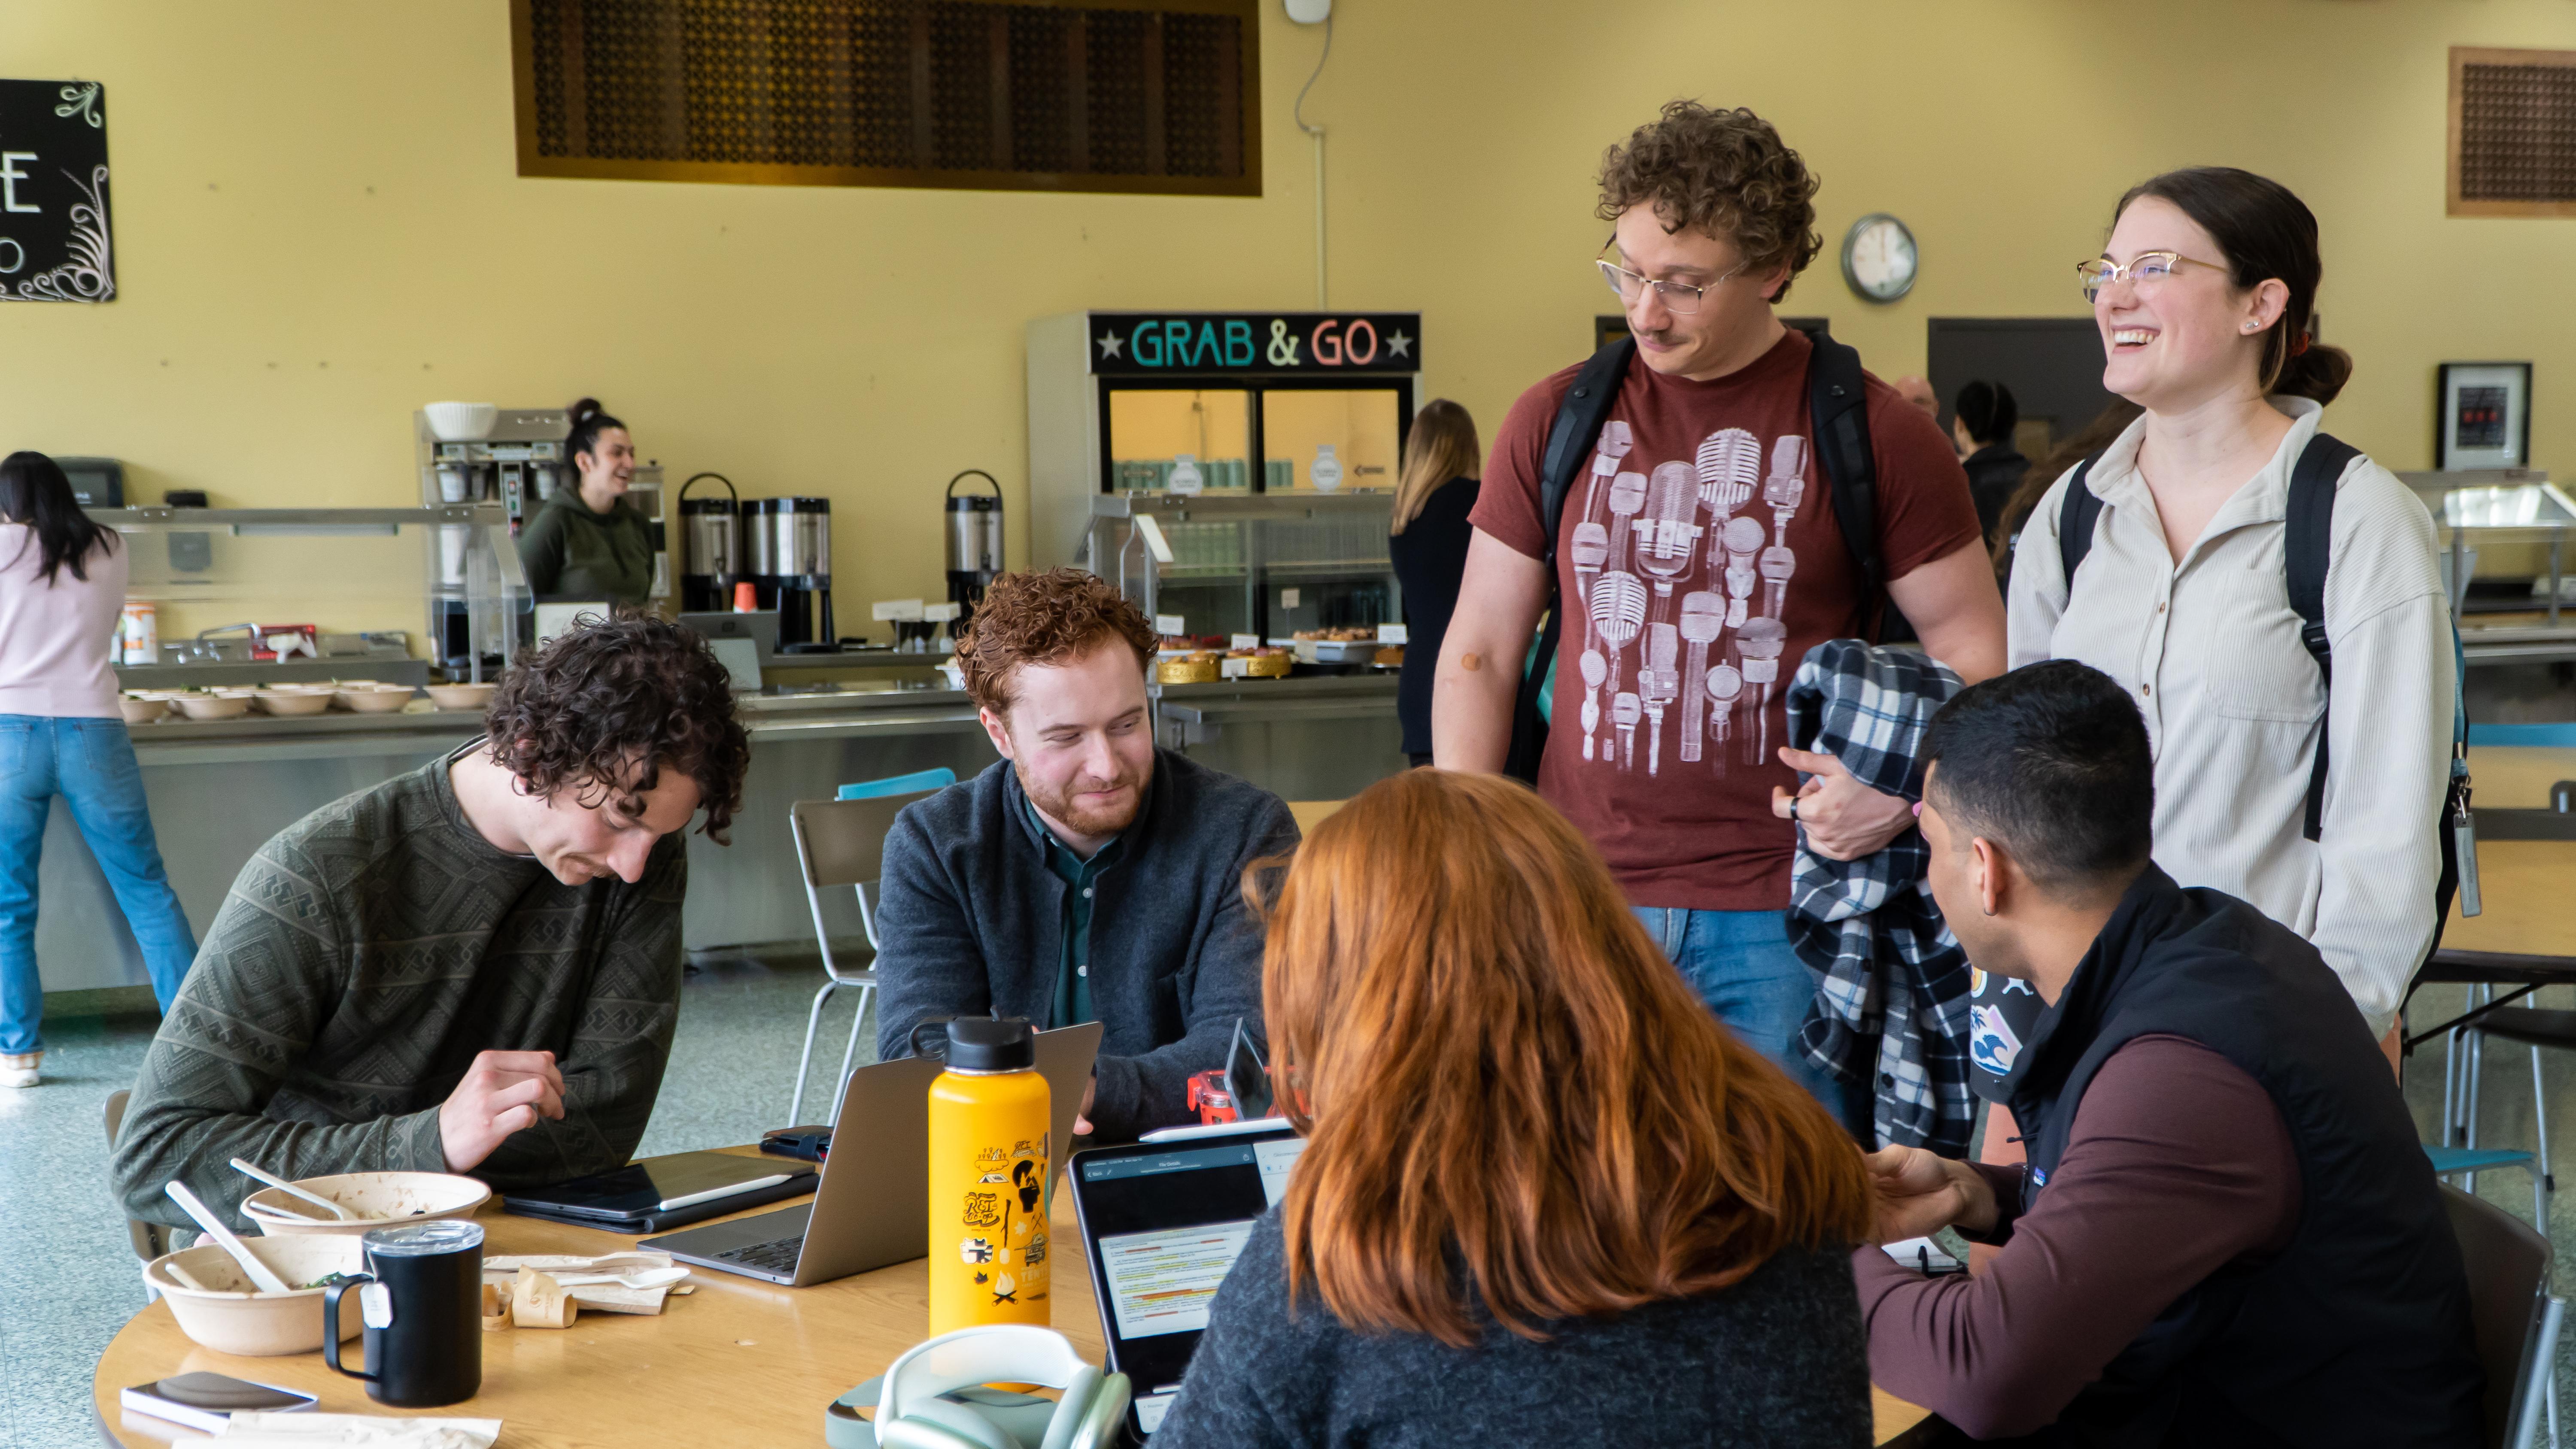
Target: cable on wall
(1317,132)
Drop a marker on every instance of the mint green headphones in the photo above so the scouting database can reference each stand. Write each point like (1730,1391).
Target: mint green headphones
(931,1399)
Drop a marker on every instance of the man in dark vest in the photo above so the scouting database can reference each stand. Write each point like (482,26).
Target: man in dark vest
(2225,1232)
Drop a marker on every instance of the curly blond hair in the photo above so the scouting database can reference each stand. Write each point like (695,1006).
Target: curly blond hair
(1044,618)
(1726,173)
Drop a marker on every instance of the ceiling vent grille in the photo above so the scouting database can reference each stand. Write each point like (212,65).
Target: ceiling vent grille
(1161,96)
(2513,132)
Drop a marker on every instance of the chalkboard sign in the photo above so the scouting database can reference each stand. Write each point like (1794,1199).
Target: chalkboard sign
(1146,344)
(53,193)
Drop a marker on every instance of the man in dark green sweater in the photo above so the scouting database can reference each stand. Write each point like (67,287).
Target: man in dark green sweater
(472,968)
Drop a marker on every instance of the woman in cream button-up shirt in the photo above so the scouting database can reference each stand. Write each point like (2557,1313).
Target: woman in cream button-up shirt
(2203,296)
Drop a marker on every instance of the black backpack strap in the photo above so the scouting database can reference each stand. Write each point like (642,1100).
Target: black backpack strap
(2075,515)
(1838,411)
(1569,446)
(2307,545)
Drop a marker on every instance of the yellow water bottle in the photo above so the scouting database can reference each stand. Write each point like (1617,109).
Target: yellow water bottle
(989,1156)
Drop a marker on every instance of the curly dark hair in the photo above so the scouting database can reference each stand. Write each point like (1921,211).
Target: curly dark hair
(1725,173)
(583,711)
(1044,618)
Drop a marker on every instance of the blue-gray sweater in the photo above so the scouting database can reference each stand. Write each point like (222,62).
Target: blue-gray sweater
(973,921)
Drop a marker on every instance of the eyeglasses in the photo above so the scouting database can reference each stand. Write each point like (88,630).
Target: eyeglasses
(1678,296)
(2148,270)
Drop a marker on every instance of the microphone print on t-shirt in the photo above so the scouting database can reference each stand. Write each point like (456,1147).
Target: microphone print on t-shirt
(1682,570)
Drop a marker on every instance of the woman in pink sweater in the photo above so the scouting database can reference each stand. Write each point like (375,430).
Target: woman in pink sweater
(62,586)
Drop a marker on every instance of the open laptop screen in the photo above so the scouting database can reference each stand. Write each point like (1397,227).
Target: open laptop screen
(1163,1223)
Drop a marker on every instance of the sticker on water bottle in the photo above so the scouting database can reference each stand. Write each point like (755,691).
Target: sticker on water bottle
(376,1305)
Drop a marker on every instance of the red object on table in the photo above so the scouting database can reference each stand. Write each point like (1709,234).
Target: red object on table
(1210,1099)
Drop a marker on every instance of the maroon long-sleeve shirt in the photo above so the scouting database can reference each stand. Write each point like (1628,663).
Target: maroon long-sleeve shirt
(2177,1165)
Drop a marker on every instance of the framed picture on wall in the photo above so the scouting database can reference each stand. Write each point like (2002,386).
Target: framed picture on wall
(2482,415)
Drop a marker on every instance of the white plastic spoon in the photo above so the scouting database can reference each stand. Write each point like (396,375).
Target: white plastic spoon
(649,1278)
(338,1212)
(259,1272)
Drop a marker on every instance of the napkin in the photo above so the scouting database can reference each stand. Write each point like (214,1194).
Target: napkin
(356,1431)
(605,1297)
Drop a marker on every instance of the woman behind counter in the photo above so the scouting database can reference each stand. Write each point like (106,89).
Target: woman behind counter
(62,585)
(1546,1198)
(588,542)
(1428,543)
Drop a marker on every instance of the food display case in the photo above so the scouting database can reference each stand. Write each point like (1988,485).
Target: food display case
(1144,431)
(2504,545)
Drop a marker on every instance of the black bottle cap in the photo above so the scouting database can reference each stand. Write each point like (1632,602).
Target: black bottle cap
(986,1044)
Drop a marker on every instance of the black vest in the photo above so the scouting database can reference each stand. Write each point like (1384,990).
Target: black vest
(2357,1332)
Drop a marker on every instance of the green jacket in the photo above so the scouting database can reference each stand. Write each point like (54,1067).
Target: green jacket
(570,551)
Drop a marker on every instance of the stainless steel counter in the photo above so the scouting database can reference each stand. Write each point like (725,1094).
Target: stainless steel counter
(220,788)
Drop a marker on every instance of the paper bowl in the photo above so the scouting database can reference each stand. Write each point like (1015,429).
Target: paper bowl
(382,1198)
(228,1316)
(461,422)
(297,701)
(381,699)
(142,711)
(461,696)
(214,706)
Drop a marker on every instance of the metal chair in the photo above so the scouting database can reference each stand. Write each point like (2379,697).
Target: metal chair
(841,843)
(150,1240)
(2513,1317)
(2462,1071)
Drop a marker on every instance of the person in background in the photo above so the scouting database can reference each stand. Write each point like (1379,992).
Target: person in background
(1917,390)
(1087,875)
(2203,296)
(1428,543)
(472,967)
(1982,424)
(588,542)
(2227,1232)
(62,588)
(2037,479)
(1579,1214)
(1669,712)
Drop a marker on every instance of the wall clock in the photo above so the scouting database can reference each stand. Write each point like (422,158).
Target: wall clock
(1879,260)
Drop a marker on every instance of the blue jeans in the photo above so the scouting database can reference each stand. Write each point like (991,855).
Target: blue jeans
(1742,966)
(90,763)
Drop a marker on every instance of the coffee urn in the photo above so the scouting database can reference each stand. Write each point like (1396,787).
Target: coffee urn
(974,541)
(787,553)
(711,547)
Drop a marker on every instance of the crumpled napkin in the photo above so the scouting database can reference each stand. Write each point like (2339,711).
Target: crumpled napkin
(606,1297)
(356,1431)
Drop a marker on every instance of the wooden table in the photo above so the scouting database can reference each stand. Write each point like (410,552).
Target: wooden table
(739,1361)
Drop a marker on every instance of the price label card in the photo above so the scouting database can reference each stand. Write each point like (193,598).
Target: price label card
(1390,633)
(1244,641)
(1287,598)
(1168,624)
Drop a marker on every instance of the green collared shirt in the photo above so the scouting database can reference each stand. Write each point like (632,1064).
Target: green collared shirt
(1073,969)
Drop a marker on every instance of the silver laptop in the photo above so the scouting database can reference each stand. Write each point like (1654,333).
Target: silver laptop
(872,1207)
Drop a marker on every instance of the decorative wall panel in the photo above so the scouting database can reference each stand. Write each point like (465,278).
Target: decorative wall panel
(2512,132)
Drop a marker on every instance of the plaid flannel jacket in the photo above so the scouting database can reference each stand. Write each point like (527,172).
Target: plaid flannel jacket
(1893,1006)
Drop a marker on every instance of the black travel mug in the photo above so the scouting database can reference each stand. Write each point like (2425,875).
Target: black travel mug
(421,1299)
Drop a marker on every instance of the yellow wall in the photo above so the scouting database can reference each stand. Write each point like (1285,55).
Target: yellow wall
(319,227)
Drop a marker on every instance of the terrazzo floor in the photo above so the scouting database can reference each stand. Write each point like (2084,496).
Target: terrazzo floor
(68,1279)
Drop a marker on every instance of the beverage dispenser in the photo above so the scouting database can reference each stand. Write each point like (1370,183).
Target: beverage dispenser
(974,541)
(711,547)
(787,553)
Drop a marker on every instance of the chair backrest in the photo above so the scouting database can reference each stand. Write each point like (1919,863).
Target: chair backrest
(2508,1269)
(912,784)
(842,842)
(150,1240)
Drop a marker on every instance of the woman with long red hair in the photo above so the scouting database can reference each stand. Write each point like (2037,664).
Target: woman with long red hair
(1546,1198)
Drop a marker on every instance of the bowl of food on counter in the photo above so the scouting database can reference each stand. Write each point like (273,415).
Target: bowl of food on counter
(369,697)
(475,697)
(1350,644)
(284,702)
(1199,666)
(217,1305)
(1263,661)
(142,708)
(374,1198)
(203,704)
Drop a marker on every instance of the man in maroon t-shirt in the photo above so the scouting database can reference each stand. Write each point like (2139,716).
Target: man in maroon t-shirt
(1698,563)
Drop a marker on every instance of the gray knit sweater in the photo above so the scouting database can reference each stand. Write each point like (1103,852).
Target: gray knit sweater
(1777,1359)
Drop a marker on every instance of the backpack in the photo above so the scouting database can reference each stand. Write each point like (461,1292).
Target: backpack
(1838,424)
(2306,547)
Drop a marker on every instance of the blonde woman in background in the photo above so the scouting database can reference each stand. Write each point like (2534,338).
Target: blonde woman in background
(1442,463)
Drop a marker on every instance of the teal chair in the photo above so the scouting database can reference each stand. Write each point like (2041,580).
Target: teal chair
(913,783)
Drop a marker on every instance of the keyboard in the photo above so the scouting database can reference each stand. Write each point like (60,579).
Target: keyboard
(778,1256)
